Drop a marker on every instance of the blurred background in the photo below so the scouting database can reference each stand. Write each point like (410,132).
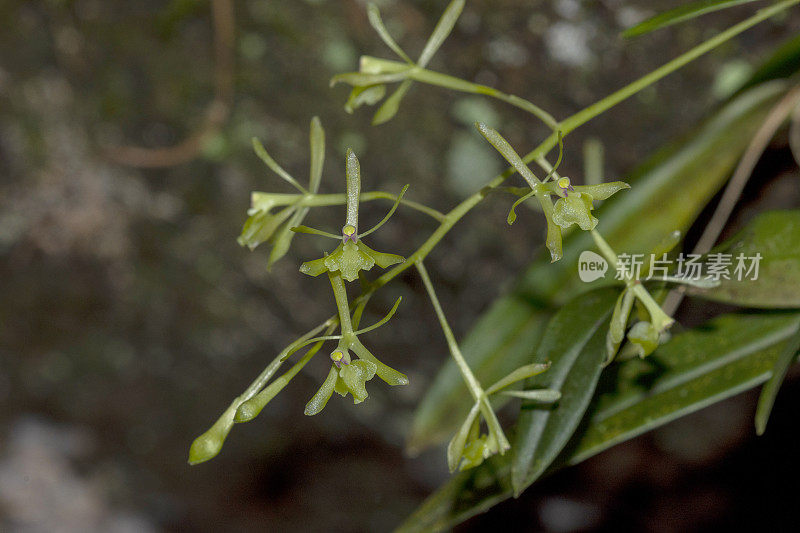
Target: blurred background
(130,317)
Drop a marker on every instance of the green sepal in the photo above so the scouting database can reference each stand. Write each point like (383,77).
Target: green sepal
(389,108)
(318,402)
(381,259)
(384,371)
(315,267)
(619,323)
(260,226)
(644,338)
(455,448)
(369,95)
(602,191)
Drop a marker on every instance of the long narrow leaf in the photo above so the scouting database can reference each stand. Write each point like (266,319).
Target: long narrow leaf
(680,14)
(696,368)
(770,391)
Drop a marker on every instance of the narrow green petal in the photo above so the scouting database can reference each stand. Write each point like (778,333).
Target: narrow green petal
(374,15)
(510,155)
(538,395)
(364,96)
(512,213)
(382,321)
(317,141)
(389,108)
(385,372)
(455,449)
(441,31)
(360,79)
(318,402)
(381,259)
(315,231)
(315,267)
(602,191)
(523,372)
(388,215)
(261,152)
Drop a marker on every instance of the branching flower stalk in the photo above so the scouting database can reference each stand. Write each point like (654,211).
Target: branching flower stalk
(369,88)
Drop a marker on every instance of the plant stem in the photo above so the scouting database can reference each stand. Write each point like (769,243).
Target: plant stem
(340,294)
(472,382)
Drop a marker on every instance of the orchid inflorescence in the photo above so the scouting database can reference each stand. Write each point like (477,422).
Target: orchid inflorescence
(275,218)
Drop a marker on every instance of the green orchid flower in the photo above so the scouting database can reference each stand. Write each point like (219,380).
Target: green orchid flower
(573,204)
(351,256)
(369,83)
(262,224)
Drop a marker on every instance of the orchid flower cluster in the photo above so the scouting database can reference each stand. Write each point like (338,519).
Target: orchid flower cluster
(275,218)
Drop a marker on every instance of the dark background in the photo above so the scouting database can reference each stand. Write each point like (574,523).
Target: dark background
(130,317)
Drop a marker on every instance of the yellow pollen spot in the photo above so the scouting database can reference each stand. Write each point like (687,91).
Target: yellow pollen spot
(563,183)
(348,230)
(337,355)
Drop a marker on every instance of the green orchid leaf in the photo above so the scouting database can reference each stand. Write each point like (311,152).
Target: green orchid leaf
(574,341)
(680,14)
(318,402)
(697,368)
(770,243)
(770,391)
(677,184)
(389,108)
(441,31)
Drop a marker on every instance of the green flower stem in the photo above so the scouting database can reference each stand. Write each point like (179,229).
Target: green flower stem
(249,409)
(660,320)
(451,82)
(613,99)
(472,382)
(208,445)
(343,308)
(478,394)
